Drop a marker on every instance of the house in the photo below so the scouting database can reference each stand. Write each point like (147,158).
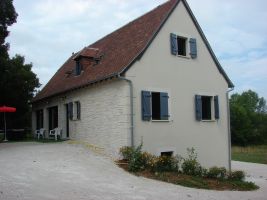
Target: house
(154,80)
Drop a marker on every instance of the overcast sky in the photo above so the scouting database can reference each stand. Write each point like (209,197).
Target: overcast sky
(48,31)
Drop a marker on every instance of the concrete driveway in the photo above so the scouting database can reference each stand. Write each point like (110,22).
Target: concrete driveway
(70,172)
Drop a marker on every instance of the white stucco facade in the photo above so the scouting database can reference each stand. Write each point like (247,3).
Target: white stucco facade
(182,78)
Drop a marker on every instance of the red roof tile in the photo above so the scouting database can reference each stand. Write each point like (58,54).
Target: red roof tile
(119,49)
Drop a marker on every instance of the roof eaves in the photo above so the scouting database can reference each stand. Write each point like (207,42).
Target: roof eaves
(76,88)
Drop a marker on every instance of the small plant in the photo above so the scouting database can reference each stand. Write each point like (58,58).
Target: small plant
(237,175)
(190,165)
(216,172)
(136,161)
(126,152)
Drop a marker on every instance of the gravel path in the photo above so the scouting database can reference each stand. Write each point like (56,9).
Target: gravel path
(55,171)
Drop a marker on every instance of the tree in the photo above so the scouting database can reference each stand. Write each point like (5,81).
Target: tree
(8,16)
(17,82)
(248,118)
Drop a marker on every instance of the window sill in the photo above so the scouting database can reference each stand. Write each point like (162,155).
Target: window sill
(186,57)
(209,120)
(154,120)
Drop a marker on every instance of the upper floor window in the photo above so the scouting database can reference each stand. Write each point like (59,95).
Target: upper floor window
(180,44)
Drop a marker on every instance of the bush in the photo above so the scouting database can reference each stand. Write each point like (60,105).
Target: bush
(126,152)
(216,172)
(190,165)
(166,164)
(237,175)
(136,160)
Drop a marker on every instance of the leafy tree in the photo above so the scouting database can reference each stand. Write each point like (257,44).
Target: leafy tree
(8,16)
(248,118)
(17,81)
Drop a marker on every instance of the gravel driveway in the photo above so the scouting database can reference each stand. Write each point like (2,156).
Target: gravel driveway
(66,171)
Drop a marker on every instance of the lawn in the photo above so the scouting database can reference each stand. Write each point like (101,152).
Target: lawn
(254,154)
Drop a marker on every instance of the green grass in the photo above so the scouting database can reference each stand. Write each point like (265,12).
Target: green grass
(254,154)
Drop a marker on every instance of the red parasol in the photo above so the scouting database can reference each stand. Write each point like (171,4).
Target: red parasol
(5,109)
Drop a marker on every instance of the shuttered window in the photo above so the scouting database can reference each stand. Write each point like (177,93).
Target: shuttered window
(179,45)
(155,106)
(206,107)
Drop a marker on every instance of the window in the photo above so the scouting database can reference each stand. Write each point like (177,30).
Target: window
(166,153)
(207,107)
(180,44)
(74,110)
(154,106)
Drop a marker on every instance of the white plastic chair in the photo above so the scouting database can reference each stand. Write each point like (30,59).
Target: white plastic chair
(39,132)
(56,132)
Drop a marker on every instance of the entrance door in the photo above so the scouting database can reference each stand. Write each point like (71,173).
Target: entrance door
(67,120)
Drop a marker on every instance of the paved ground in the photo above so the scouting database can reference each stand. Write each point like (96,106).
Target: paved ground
(65,171)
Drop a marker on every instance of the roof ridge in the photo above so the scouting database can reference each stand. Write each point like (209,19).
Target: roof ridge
(134,20)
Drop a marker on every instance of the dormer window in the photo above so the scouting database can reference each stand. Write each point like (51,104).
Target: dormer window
(78,68)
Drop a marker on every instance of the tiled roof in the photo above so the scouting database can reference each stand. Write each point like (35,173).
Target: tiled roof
(118,51)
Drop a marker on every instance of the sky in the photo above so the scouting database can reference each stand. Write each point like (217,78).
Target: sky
(48,31)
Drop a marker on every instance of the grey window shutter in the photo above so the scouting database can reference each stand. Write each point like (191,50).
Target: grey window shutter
(193,47)
(70,110)
(198,107)
(216,107)
(174,45)
(78,110)
(164,112)
(146,105)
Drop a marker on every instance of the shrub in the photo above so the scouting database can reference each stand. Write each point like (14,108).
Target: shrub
(190,165)
(166,164)
(126,152)
(237,175)
(136,160)
(216,172)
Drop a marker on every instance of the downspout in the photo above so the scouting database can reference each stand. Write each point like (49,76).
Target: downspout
(131,105)
(229,128)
